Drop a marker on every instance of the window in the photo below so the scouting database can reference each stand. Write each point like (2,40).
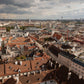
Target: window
(28,81)
(38,79)
(11,75)
(15,74)
(37,71)
(7,76)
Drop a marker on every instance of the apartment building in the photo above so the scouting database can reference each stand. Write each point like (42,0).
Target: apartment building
(65,58)
(3,30)
(24,69)
(77,66)
(74,64)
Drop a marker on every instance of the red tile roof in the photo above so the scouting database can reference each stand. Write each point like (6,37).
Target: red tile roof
(0,48)
(4,38)
(1,69)
(58,36)
(25,67)
(3,28)
(31,47)
(30,65)
(19,41)
(32,37)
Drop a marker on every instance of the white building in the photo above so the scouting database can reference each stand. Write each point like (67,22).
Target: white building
(77,67)
(74,64)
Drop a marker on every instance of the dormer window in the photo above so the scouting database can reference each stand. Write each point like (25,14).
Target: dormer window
(28,81)
(25,65)
(19,70)
(28,68)
(38,79)
(36,67)
(10,67)
(37,63)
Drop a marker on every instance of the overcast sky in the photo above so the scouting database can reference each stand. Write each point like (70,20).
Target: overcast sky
(42,9)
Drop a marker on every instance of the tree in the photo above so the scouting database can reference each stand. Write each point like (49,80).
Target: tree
(23,27)
(8,28)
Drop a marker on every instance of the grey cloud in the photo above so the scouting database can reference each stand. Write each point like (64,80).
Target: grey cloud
(69,1)
(64,1)
(68,6)
(19,3)
(46,0)
(45,7)
(13,10)
(18,6)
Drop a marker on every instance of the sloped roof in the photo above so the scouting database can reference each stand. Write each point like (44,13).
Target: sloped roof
(57,36)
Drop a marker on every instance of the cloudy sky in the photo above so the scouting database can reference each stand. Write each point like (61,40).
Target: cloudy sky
(42,9)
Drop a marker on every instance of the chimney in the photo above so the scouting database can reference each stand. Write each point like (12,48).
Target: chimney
(28,73)
(16,62)
(34,72)
(17,79)
(40,71)
(69,75)
(55,66)
(80,76)
(59,65)
(3,81)
(20,62)
(51,64)
(56,62)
